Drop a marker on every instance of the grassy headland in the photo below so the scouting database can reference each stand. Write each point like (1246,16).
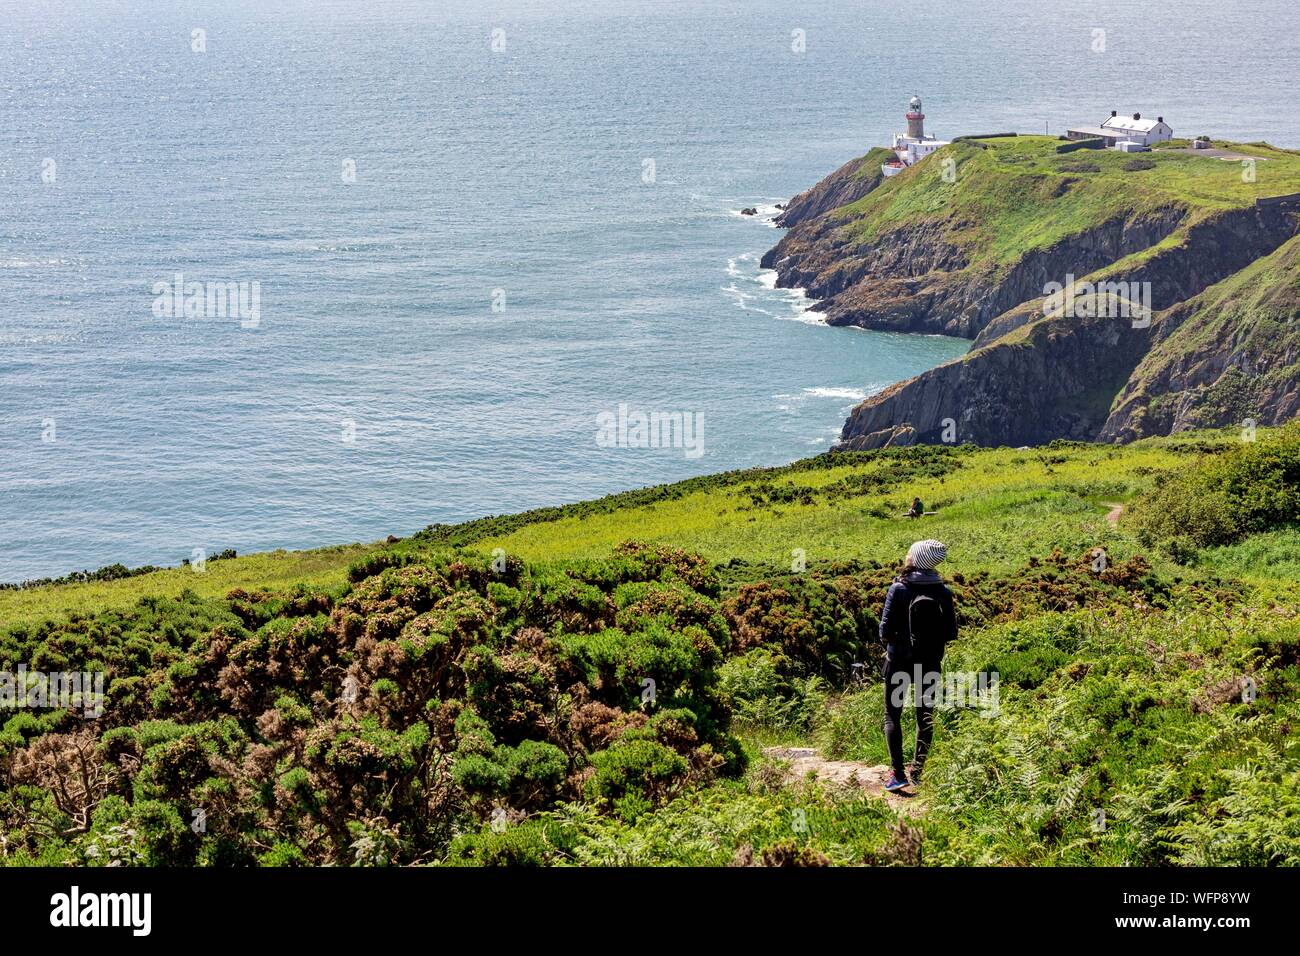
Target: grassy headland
(977,239)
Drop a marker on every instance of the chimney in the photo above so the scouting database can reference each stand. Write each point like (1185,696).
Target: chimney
(1160,119)
(1137,116)
(1114,112)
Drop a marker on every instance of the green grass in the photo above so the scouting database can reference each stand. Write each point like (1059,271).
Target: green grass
(1273,556)
(1015,195)
(872,162)
(275,570)
(998,508)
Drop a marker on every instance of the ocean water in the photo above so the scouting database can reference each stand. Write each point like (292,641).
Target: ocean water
(542,226)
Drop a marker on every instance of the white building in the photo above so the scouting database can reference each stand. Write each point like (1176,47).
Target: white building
(1117,130)
(913,146)
(1139,130)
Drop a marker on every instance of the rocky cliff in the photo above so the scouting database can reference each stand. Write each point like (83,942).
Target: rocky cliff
(846,185)
(970,242)
(1227,356)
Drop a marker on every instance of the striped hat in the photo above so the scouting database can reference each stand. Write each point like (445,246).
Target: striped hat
(926,555)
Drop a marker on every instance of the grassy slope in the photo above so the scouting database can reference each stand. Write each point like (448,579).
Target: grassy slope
(1016,195)
(997,508)
(271,570)
(872,161)
(1001,507)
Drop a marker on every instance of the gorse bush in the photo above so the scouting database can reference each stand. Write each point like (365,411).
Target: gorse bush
(1248,490)
(368,724)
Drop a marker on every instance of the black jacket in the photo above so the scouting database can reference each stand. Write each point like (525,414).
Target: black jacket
(893,619)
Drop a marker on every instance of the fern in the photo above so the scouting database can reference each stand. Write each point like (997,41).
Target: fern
(1070,793)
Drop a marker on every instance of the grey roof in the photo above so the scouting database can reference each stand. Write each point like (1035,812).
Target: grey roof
(1096,131)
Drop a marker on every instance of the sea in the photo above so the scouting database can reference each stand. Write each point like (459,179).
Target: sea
(291,273)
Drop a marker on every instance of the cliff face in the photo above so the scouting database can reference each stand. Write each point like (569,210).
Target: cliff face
(968,244)
(918,280)
(1055,376)
(1229,355)
(1050,382)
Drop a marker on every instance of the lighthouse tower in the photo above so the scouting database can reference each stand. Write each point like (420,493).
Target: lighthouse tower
(915,119)
(913,147)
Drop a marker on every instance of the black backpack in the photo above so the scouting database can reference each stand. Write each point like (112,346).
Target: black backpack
(926,626)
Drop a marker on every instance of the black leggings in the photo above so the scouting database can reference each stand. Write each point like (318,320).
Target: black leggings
(900,675)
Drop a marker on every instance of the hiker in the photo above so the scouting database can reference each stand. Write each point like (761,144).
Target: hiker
(917,509)
(916,623)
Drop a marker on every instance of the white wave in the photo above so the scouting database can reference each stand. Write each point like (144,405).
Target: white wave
(802,308)
(853,394)
(799,308)
(801,317)
(826,391)
(733,265)
(740,298)
(764,212)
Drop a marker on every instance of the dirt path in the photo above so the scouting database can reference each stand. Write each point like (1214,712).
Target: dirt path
(806,762)
(1115,511)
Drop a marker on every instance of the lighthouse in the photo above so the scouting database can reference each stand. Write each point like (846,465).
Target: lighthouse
(915,119)
(913,147)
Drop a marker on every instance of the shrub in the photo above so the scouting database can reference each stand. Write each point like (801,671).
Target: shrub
(377,562)
(817,625)
(635,776)
(1248,490)
(283,854)
(164,837)
(527,775)
(615,663)
(531,843)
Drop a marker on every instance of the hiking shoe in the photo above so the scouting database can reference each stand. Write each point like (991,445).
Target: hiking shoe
(894,782)
(914,774)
